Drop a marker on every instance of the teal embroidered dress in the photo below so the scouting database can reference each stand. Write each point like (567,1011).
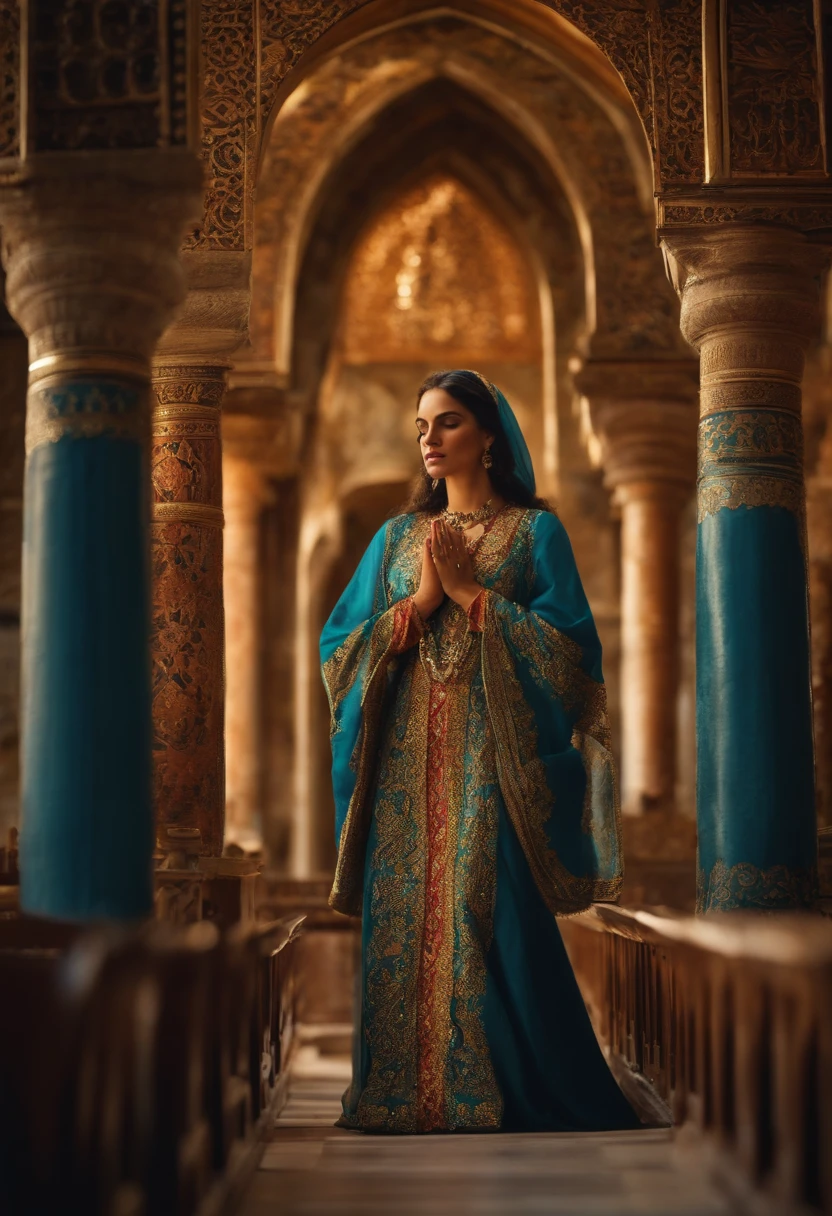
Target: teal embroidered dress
(475,803)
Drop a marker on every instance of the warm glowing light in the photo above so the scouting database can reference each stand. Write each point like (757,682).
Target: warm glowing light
(437,275)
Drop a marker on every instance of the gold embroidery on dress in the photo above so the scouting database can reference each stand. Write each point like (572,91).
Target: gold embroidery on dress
(445,1078)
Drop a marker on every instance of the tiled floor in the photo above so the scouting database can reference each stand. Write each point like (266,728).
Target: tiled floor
(310,1168)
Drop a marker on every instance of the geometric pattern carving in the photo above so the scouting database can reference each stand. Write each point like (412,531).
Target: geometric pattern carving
(96,74)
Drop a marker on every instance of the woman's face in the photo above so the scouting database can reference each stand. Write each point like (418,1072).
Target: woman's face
(450,438)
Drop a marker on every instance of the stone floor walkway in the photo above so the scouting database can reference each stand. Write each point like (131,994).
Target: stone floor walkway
(310,1168)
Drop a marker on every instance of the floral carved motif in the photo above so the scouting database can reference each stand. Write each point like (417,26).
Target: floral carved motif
(677,83)
(230,126)
(9,77)
(774,116)
(804,218)
(287,29)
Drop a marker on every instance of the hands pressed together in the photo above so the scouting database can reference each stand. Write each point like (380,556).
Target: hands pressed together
(447,569)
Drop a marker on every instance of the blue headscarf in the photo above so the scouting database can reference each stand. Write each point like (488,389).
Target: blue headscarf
(523,467)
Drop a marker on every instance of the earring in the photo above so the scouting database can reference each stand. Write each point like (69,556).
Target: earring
(435,483)
(486,459)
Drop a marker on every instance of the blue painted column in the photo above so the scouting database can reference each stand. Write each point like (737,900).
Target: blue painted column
(87,829)
(93,278)
(750,304)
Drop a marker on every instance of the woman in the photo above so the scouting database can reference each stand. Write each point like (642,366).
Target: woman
(474,790)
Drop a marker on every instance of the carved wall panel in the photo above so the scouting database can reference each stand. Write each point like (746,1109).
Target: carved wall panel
(655,47)
(676,66)
(9,77)
(107,74)
(773,98)
(230,123)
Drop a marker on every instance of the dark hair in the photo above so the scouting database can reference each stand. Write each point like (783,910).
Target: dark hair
(469,390)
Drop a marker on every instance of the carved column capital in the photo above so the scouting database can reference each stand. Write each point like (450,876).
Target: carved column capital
(644,417)
(91,249)
(746,277)
(751,304)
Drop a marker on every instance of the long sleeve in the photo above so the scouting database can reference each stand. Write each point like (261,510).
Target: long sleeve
(547,703)
(359,641)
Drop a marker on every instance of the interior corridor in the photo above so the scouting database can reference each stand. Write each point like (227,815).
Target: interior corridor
(310,1168)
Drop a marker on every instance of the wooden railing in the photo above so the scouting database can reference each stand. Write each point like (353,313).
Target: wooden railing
(138,1070)
(729,1019)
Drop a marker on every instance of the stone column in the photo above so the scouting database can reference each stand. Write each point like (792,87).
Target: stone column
(644,415)
(246,492)
(188,626)
(91,245)
(190,370)
(750,304)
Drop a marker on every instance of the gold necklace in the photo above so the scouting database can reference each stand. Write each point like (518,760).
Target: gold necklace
(444,669)
(461,519)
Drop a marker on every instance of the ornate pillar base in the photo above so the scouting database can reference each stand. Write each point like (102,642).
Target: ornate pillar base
(750,304)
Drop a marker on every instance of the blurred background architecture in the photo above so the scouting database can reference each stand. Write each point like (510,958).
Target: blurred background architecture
(236,236)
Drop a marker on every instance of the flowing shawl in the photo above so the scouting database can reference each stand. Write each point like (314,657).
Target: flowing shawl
(545,700)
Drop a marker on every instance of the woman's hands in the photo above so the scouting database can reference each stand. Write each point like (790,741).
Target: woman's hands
(430,594)
(453,564)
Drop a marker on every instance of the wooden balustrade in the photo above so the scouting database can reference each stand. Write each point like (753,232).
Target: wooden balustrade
(728,1019)
(139,1069)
